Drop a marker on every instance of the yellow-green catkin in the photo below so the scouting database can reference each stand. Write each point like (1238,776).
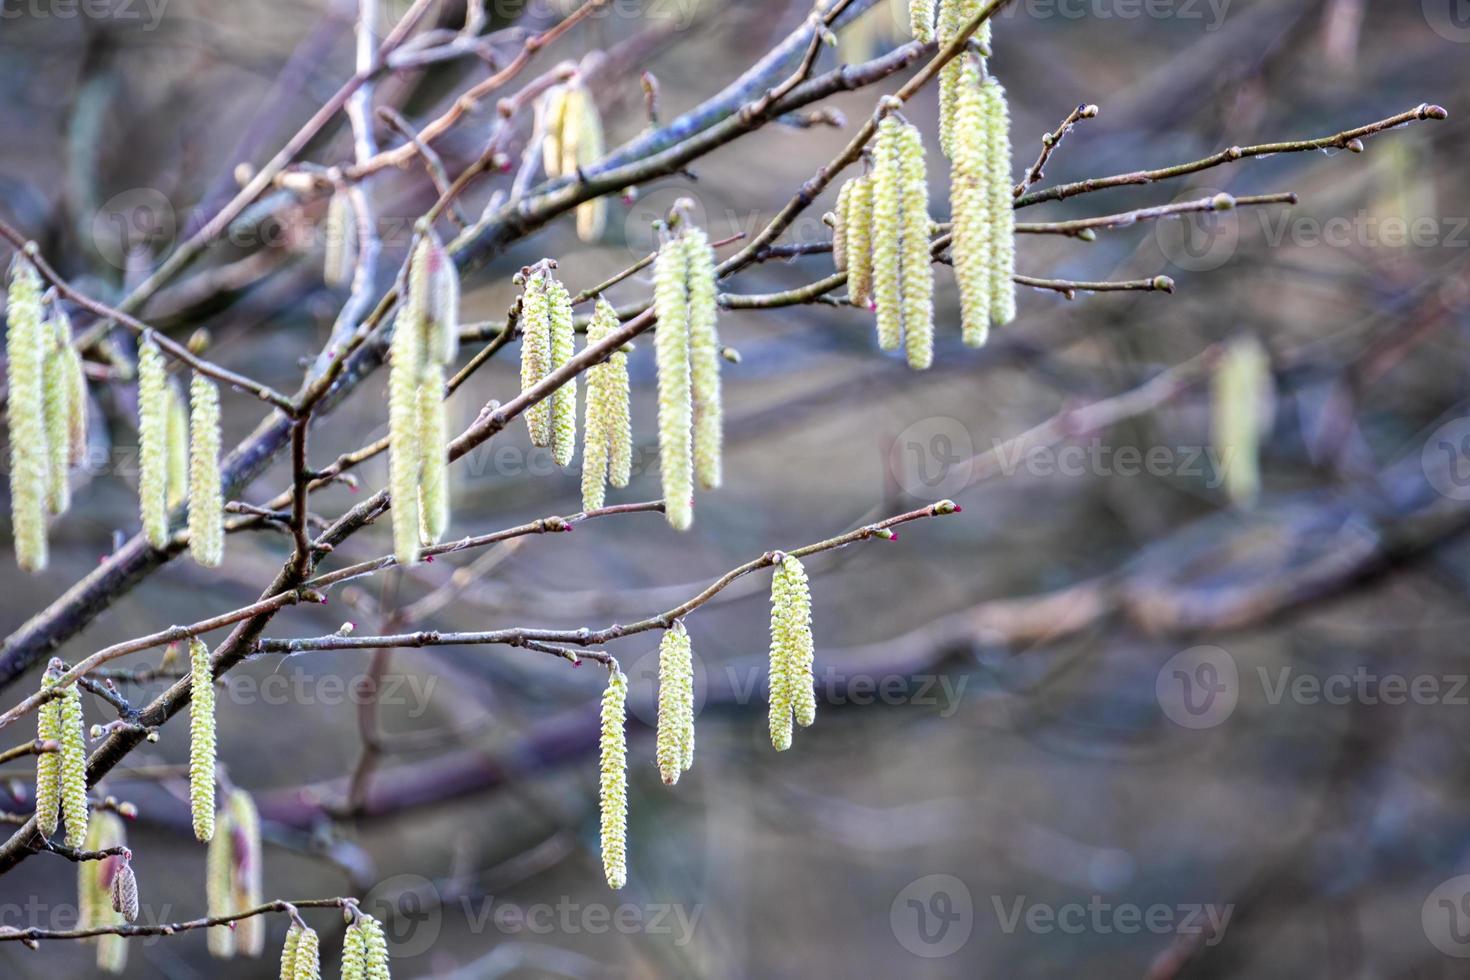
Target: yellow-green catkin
(219,885)
(247,865)
(608,440)
(953,16)
(307,963)
(1002,204)
(564,399)
(553,123)
(917,268)
(674,748)
(178,448)
(288,952)
(675,407)
(921,20)
(76,402)
(153,442)
(48,764)
(354,953)
(57,393)
(859,241)
(1240,404)
(613,788)
(535,323)
(434,297)
(434,438)
(201,739)
(96,881)
(206,497)
(405,439)
(887,234)
(25,353)
(584,126)
(704,360)
(973,244)
(377,949)
(839,226)
(339,257)
(73,767)
(793,695)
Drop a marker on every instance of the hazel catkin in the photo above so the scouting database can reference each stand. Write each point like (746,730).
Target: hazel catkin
(73,767)
(564,398)
(201,739)
(675,408)
(613,784)
(674,748)
(153,440)
(25,354)
(206,496)
(704,360)
(607,439)
(48,764)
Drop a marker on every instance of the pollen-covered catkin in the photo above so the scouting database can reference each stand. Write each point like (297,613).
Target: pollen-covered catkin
(339,258)
(48,764)
(586,125)
(608,440)
(887,231)
(57,393)
(1002,204)
(791,682)
(675,409)
(859,241)
(25,353)
(839,226)
(76,402)
(704,360)
(354,953)
(553,122)
(178,448)
(307,963)
(376,943)
(613,794)
(201,739)
(248,855)
(674,748)
(219,885)
(405,438)
(953,16)
(206,497)
(73,767)
(921,20)
(288,952)
(153,440)
(918,270)
(535,322)
(973,243)
(434,298)
(434,443)
(564,399)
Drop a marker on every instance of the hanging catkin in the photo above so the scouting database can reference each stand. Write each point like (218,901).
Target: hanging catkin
(377,949)
(791,682)
(953,16)
(124,891)
(858,241)
(307,962)
(674,748)
(887,232)
(1240,403)
(1002,204)
(973,244)
(100,892)
(339,257)
(73,767)
(153,441)
(574,140)
(704,360)
(246,866)
(57,393)
(364,949)
(178,448)
(48,764)
(434,441)
(921,20)
(25,353)
(917,268)
(219,885)
(354,952)
(76,402)
(206,498)
(613,794)
(288,952)
(564,399)
(535,323)
(675,409)
(201,739)
(405,439)
(839,226)
(608,441)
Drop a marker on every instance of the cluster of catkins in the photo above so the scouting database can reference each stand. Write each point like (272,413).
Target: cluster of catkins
(107,890)
(47,411)
(61,776)
(792,697)
(425,343)
(571,140)
(546,345)
(364,949)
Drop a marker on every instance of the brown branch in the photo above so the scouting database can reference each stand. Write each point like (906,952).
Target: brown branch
(1050,142)
(11,934)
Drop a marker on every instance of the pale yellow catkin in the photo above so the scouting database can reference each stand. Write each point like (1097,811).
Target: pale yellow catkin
(288,952)
(704,361)
(246,880)
(73,767)
(584,123)
(613,783)
(405,436)
(354,953)
(1240,399)
(917,267)
(48,764)
(377,964)
(25,355)
(434,446)
(76,402)
(178,448)
(607,441)
(307,963)
(206,496)
(674,745)
(953,16)
(973,244)
(859,243)
(793,696)
(219,884)
(57,393)
(434,297)
(675,409)
(1002,204)
(535,324)
(564,399)
(339,257)
(553,123)
(839,226)
(201,739)
(153,443)
(887,232)
(921,20)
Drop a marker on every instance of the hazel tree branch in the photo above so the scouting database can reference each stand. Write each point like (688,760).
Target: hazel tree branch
(33,936)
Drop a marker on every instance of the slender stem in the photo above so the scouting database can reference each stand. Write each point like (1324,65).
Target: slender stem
(10,934)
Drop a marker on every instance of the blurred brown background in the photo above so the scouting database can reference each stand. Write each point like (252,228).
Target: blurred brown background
(1006,778)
